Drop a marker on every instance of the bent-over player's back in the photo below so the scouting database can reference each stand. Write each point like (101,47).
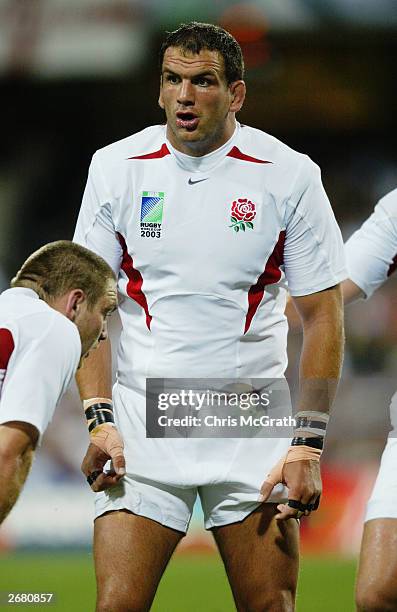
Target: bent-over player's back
(39,355)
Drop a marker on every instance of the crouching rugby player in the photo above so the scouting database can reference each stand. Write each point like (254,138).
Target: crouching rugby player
(53,315)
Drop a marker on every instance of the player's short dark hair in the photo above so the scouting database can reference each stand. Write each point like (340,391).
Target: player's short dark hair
(59,267)
(194,36)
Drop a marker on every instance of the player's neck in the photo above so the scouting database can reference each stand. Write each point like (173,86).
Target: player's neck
(201,148)
(203,163)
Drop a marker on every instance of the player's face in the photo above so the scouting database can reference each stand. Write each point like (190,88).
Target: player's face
(92,322)
(199,104)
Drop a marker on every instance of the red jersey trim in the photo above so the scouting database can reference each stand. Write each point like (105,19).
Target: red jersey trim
(237,154)
(135,280)
(6,347)
(269,276)
(155,155)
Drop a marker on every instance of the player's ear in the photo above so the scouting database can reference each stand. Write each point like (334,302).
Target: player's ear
(238,91)
(74,300)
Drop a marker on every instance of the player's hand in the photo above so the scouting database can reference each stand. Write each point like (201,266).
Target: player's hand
(303,480)
(93,464)
(106,444)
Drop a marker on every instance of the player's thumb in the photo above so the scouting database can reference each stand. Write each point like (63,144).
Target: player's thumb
(115,447)
(272,479)
(118,462)
(266,489)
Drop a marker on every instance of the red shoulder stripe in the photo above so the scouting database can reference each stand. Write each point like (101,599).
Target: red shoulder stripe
(155,155)
(237,154)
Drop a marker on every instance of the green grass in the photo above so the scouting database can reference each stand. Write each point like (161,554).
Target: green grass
(191,584)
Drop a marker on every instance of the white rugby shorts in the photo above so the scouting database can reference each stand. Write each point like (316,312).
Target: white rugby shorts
(164,476)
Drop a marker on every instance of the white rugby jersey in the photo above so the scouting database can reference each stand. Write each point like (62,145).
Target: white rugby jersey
(204,248)
(371,252)
(40,350)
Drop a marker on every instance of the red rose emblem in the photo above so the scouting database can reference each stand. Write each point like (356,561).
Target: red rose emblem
(243,210)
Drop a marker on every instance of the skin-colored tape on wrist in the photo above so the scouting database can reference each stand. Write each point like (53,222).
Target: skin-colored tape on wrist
(295,453)
(300,453)
(96,400)
(108,439)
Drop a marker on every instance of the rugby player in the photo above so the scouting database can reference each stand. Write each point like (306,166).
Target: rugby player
(205,221)
(371,255)
(54,314)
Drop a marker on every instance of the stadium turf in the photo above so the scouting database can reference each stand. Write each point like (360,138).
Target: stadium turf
(191,584)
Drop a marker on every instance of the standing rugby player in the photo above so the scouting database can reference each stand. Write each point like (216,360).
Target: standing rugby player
(371,258)
(205,222)
(53,315)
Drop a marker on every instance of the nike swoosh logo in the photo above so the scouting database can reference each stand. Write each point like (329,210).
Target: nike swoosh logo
(190,182)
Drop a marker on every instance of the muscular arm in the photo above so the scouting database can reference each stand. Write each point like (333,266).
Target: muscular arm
(320,365)
(322,352)
(17,443)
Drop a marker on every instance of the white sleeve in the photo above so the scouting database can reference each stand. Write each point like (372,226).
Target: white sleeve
(313,251)
(95,229)
(42,369)
(371,252)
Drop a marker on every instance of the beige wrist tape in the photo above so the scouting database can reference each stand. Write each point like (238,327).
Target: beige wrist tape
(108,439)
(295,453)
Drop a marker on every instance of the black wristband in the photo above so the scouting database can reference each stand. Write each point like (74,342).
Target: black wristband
(312,442)
(90,413)
(99,413)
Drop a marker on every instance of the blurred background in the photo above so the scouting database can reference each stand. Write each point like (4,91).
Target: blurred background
(76,75)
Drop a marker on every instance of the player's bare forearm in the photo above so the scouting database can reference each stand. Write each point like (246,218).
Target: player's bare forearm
(94,378)
(322,351)
(14,472)
(17,441)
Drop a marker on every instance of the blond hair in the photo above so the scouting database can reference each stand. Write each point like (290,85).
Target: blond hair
(59,267)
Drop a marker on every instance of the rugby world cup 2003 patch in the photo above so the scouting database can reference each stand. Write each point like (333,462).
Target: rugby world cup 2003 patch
(152,204)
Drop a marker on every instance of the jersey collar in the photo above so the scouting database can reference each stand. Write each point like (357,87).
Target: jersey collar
(205,163)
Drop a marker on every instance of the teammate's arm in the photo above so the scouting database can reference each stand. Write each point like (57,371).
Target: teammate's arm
(351,292)
(371,251)
(17,443)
